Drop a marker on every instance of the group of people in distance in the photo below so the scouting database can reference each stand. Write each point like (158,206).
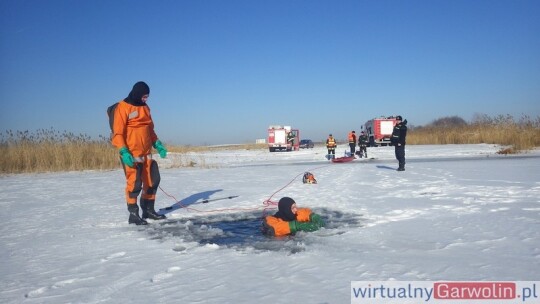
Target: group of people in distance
(398,140)
(363,141)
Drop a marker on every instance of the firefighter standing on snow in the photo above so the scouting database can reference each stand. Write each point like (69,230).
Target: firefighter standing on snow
(352,142)
(134,136)
(331,146)
(398,140)
(362,144)
(289,219)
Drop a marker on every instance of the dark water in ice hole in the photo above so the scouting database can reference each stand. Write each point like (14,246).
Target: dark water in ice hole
(242,231)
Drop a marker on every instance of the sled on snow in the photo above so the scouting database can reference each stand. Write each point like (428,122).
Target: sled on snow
(343,159)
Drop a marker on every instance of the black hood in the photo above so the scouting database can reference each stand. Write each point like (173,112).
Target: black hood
(135,96)
(284,209)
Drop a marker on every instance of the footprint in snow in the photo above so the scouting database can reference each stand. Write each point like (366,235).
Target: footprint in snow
(60,284)
(114,256)
(36,292)
(164,275)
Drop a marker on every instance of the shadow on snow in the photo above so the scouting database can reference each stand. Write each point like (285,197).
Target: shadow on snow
(190,200)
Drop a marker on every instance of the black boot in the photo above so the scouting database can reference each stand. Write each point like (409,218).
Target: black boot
(148,211)
(401,167)
(134,215)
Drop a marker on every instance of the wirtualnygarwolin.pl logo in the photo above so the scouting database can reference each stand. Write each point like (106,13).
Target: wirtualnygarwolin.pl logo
(449,292)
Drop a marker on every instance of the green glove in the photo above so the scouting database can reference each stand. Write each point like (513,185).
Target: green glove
(160,148)
(126,156)
(295,226)
(316,219)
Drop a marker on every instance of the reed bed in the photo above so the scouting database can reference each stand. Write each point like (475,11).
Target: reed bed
(516,136)
(48,150)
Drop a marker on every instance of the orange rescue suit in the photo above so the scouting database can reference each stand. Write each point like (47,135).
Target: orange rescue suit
(133,128)
(281,227)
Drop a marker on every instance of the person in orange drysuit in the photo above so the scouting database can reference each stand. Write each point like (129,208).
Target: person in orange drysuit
(289,219)
(133,134)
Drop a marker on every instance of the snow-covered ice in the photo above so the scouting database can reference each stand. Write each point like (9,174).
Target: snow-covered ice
(459,212)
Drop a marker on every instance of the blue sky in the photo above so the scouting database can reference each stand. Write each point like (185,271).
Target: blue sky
(222,71)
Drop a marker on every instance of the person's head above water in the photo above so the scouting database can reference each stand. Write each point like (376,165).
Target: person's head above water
(286,209)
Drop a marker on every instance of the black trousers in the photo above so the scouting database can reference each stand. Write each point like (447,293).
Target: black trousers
(400,155)
(362,149)
(353,147)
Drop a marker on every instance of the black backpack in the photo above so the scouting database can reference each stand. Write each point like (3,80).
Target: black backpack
(110,113)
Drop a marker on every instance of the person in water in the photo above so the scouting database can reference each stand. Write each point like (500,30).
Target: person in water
(290,219)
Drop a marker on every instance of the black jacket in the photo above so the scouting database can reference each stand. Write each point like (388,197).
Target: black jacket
(399,134)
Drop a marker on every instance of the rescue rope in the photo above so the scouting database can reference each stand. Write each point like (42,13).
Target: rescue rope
(267,204)
(270,204)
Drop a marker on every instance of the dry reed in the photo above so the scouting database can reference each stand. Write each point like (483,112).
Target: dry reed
(47,150)
(502,130)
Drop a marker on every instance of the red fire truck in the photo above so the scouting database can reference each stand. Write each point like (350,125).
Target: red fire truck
(277,138)
(379,130)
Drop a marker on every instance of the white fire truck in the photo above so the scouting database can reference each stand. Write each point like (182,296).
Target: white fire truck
(379,130)
(277,138)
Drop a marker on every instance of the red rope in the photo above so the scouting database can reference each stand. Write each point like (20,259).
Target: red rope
(267,204)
